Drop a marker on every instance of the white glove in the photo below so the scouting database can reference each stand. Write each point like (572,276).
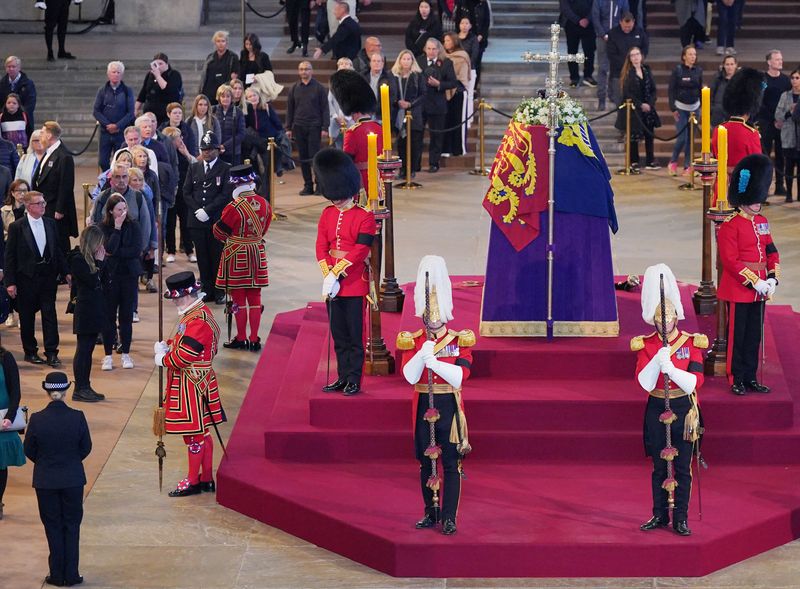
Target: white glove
(158,360)
(329,283)
(662,355)
(773,284)
(761,287)
(161,347)
(412,371)
(667,367)
(686,381)
(201,215)
(648,376)
(451,373)
(427,351)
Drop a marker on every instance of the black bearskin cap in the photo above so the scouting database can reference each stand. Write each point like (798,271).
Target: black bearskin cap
(353,92)
(750,180)
(743,93)
(336,174)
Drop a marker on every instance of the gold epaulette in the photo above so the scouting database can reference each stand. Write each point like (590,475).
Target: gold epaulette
(731,216)
(405,339)
(466,337)
(354,125)
(637,343)
(700,340)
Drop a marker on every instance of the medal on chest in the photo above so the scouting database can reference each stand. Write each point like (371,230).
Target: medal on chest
(762,228)
(682,354)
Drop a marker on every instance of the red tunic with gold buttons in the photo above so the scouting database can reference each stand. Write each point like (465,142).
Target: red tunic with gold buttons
(355,144)
(190,376)
(244,221)
(686,353)
(344,238)
(743,140)
(748,254)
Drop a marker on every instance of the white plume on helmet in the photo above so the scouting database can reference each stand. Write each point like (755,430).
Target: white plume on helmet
(651,292)
(438,280)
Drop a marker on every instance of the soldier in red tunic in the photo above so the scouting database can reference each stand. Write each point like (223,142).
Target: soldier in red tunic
(344,236)
(436,361)
(741,99)
(682,362)
(750,270)
(243,263)
(191,397)
(356,99)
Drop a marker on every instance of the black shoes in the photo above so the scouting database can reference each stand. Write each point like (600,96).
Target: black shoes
(187,490)
(681,528)
(350,389)
(66,55)
(208,486)
(52,360)
(433,168)
(425,522)
(737,388)
(49,580)
(653,523)
(305,49)
(448,527)
(256,345)
(50,57)
(740,387)
(237,344)
(292,47)
(337,385)
(87,395)
(219,299)
(307,191)
(590,81)
(34,358)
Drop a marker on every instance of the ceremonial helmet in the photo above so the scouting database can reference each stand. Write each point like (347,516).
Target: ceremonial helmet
(242,174)
(432,273)
(336,174)
(352,92)
(181,284)
(651,295)
(750,180)
(743,93)
(209,141)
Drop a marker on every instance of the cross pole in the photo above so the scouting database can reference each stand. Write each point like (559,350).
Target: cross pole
(552,90)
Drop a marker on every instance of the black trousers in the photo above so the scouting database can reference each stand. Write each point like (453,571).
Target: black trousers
(61,512)
(56,15)
(648,149)
(82,360)
(346,315)
(454,140)
(692,32)
(747,319)
(435,140)
(38,295)
(121,298)
(208,251)
(416,150)
(308,144)
(791,170)
(298,11)
(771,139)
(585,37)
(449,496)
(656,440)
(178,213)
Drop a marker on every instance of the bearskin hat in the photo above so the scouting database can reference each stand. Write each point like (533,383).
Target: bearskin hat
(336,174)
(750,180)
(744,92)
(353,92)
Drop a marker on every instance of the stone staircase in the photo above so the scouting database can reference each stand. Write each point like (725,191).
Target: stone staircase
(522,20)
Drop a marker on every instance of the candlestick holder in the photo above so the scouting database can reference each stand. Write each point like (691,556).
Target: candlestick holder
(391,295)
(704,298)
(716,361)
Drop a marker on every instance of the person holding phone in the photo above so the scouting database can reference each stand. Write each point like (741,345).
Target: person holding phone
(161,85)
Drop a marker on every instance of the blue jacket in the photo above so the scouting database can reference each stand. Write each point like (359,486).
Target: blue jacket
(606,15)
(114,106)
(57,440)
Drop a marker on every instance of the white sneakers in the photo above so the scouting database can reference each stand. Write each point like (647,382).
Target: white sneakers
(192,258)
(136,316)
(127,362)
(170,258)
(12,321)
(108,363)
(40,5)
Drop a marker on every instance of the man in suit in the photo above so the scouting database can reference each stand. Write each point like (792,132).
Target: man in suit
(206,192)
(19,83)
(346,41)
(55,178)
(439,75)
(33,264)
(57,441)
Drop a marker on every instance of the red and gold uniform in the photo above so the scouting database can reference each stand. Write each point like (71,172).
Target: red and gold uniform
(743,140)
(686,353)
(191,397)
(450,347)
(355,144)
(243,263)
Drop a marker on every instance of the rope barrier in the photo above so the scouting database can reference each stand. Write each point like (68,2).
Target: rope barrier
(453,128)
(500,112)
(602,116)
(273,15)
(653,134)
(82,151)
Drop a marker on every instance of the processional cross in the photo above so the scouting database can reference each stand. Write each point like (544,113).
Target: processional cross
(552,90)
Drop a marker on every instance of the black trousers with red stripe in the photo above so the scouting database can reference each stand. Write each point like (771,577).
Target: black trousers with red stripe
(745,339)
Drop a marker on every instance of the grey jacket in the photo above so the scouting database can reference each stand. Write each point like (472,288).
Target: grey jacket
(791,122)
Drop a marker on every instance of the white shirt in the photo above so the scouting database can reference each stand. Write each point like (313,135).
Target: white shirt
(37,227)
(208,165)
(48,152)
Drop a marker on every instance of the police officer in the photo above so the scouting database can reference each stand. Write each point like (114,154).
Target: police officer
(206,192)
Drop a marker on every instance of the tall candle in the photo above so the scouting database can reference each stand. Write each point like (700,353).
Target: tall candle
(372,167)
(386,120)
(705,123)
(722,167)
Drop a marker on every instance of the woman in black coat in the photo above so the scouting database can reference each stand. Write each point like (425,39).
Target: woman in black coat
(407,87)
(638,85)
(423,26)
(57,441)
(252,60)
(162,85)
(123,244)
(90,316)
(11,453)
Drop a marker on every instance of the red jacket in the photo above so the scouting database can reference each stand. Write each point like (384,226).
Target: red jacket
(241,228)
(743,140)
(355,144)
(344,238)
(747,254)
(686,348)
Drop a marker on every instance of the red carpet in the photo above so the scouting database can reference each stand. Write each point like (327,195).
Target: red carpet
(557,484)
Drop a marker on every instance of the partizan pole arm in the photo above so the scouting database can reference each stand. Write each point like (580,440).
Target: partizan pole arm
(432,415)
(668,453)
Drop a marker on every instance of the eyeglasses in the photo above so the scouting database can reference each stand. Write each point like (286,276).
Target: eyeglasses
(19,191)
(37,203)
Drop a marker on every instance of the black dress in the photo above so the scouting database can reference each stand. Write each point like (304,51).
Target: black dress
(639,90)
(154,99)
(247,67)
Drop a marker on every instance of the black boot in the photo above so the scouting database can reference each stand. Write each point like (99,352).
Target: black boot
(337,385)
(449,527)
(737,388)
(428,521)
(755,387)
(681,528)
(654,523)
(184,489)
(236,344)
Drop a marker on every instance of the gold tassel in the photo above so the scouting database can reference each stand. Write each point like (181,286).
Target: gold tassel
(159,422)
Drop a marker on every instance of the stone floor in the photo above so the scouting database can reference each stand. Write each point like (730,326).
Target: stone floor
(135,537)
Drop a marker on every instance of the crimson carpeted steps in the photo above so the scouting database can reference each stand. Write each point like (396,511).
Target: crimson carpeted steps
(557,484)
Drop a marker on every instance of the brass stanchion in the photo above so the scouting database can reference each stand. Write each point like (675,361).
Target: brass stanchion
(690,184)
(391,295)
(20,151)
(717,359)
(481,170)
(408,183)
(628,169)
(704,298)
(86,197)
(273,197)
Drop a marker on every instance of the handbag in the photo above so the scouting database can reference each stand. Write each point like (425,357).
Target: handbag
(20,420)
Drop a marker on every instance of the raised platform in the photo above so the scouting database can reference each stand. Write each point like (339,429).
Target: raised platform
(557,484)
